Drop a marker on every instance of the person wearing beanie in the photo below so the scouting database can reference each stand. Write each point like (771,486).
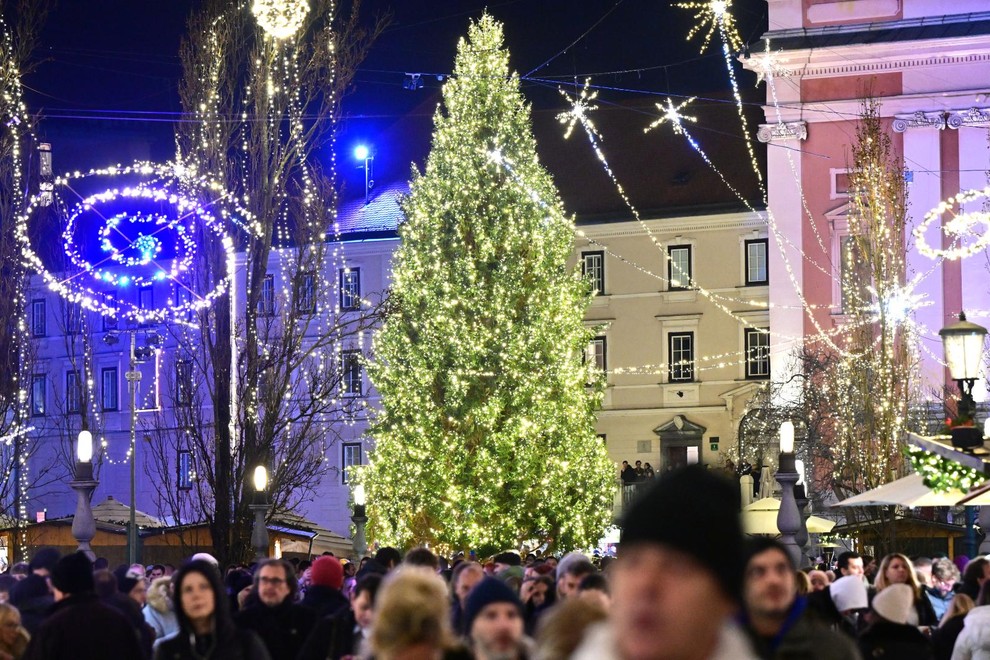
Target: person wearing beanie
(776,616)
(677,581)
(850,600)
(324,595)
(111,593)
(79,625)
(493,622)
(132,584)
(504,560)
(892,634)
(570,573)
(32,595)
(345,634)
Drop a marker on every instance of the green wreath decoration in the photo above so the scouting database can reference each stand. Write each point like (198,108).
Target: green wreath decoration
(942,474)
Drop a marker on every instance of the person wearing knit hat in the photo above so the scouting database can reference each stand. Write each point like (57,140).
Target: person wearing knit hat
(776,615)
(892,633)
(132,584)
(493,622)
(677,581)
(79,625)
(848,595)
(44,561)
(324,595)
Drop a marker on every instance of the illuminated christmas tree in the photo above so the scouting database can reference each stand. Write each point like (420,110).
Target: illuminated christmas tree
(486,435)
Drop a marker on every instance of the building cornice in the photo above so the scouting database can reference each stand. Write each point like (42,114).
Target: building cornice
(667,226)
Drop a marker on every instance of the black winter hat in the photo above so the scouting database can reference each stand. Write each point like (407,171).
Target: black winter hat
(696,512)
(73,574)
(486,592)
(125,579)
(508,558)
(44,558)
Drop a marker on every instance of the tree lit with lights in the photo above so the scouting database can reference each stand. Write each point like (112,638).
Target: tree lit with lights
(486,436)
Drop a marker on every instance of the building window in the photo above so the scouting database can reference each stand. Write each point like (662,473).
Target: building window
(39,327)
(756,262)
(351,381)
(108,388)
(110,322)
(38,395)
(593,268)
(855,277)
(306,293)
(350,458)
(184,297)
(73,392)
(681,351)
(757,353)
(73,319)
(266,305)
(595,354)
(350,288)
(184,464)
(146,302)
(183,382)
(679,266)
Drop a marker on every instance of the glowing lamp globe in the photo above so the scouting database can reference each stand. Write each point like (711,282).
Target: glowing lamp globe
(787,437)
(280,19)
(361,152)
(260,478)
(963,344)
(359,497)
(84,447)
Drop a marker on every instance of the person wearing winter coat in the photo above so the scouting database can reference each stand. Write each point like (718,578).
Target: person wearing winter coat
(206,630)
(159,612)
(892,634)
(973,642)
(945,636)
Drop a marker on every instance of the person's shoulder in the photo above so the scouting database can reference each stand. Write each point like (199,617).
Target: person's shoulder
(252,646)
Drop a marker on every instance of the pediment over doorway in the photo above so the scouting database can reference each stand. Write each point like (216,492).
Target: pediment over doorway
(680,428)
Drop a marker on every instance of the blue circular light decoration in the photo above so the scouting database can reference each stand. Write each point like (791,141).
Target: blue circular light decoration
(144,232)
(361,152)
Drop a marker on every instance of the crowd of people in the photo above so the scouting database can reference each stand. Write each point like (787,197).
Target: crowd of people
(685,586)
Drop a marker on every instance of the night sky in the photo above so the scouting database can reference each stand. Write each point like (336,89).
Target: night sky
(111,66)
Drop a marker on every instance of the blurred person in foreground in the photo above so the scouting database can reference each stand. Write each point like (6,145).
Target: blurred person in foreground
(677,582)
(14,637)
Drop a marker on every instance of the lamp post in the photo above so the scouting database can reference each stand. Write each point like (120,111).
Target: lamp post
(361,152)
(259,535)
(801,499)
(963,345)
(789,517)
(359,519)
(133,377)
(83,524)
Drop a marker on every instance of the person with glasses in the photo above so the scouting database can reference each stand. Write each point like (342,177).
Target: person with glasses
(282,624)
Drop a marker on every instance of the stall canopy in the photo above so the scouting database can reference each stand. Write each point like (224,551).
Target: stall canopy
(760,517)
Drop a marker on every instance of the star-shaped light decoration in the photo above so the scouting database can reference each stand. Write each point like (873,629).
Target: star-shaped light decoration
(713,16)
(672,114)
(767,65)
(580,107)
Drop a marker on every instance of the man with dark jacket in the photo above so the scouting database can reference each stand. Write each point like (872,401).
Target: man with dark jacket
(282,624)
(79,625)
(323,596)
(32,596)
(821,602)
(775,615)
(344,633)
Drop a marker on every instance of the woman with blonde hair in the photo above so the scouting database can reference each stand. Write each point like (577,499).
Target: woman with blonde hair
(412,619)
(14,637)
(944,639)
(898,569)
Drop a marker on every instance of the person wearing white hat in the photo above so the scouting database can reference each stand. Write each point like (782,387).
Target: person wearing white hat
(893,632)
(848,594)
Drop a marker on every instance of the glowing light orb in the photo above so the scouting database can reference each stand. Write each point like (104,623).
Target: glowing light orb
(143,233)
(361,152)
(714,16)
(963,225)
(280,19)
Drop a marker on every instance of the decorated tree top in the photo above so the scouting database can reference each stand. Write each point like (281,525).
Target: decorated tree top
(486,435)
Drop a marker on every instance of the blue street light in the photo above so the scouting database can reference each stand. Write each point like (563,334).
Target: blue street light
(362,152)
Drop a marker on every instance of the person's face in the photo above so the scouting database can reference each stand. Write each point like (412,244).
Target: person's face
(665,604)
(897,572)
(853,567)
(8,630)
(497,630)
(770,585)
(568,584)
(538,593)
(552,562)
(465,583)
(819,581)
(139,593)
(349,569)
(157,573)
(499,567)
(197,597)
(273,588)
(363,611)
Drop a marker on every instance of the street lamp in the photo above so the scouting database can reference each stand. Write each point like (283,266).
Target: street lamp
(362,152)
(359,519)
(259,535)
(788,517)
(83,524)
(801,499)
(963,345)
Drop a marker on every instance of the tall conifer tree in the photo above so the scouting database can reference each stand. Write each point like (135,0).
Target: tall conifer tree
(486,436)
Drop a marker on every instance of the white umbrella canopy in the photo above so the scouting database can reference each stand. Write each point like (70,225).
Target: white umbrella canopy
(760,517)
(908,491)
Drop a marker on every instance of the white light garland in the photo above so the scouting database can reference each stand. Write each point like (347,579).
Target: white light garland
(962,225)
(280,19)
